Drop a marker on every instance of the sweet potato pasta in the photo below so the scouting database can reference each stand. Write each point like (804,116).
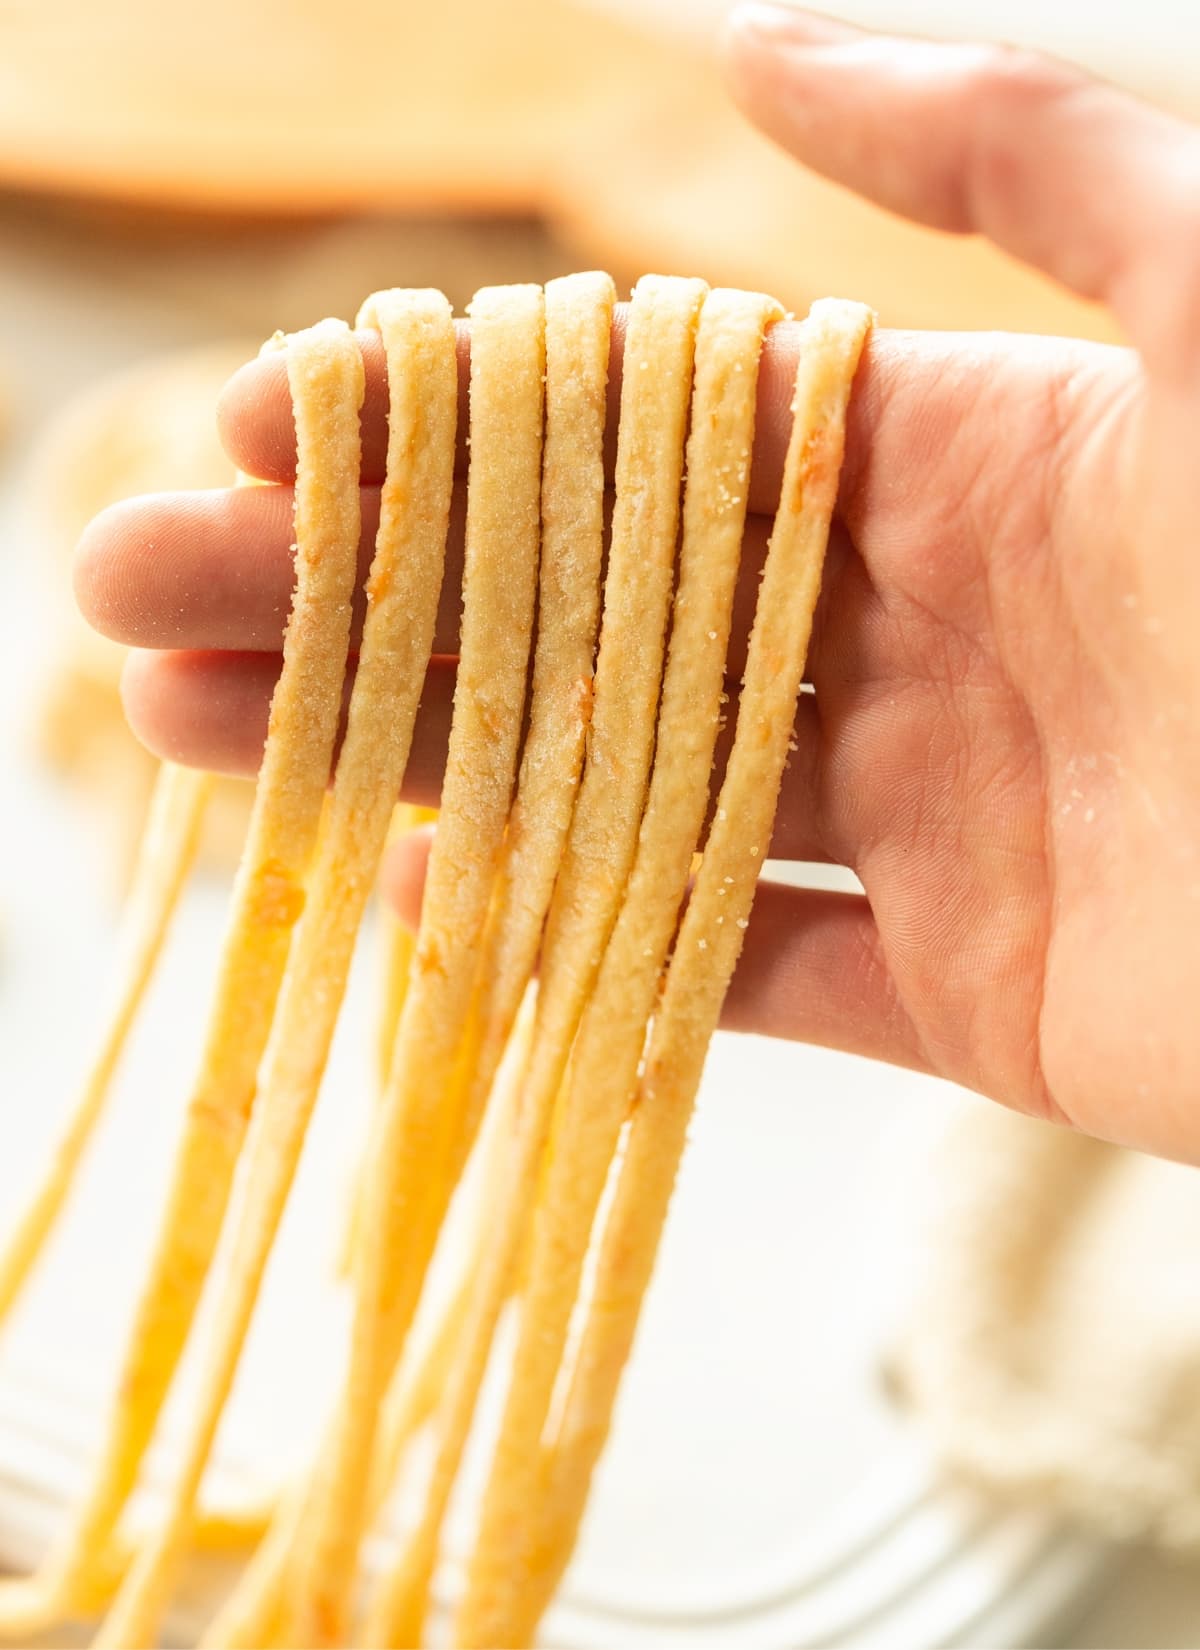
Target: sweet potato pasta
(587,707)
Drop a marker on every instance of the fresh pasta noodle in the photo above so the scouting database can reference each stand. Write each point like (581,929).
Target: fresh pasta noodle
(397,944)
(594,1100)
(709,943)
(249,1618)
(579,312)
(402,597)
(165,857)
(661,326)
(326,371)
(587,706)
(578,323)
(661,331)
(423,1105)
(166,852)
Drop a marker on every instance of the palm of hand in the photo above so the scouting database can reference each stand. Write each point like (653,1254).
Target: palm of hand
(993,758)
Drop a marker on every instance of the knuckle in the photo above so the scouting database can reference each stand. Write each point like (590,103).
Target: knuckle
(1016,80)
(1016,95)
(1014,91)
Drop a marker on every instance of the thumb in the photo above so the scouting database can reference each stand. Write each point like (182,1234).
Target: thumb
(1096,189)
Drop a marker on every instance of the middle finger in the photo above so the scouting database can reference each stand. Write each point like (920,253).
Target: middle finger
(213,571)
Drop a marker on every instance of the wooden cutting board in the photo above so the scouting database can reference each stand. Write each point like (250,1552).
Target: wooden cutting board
(623,140)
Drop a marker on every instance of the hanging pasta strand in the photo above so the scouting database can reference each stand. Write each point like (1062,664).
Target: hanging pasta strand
(418,1384)
(397,948)
(402,599)
(707,948)
(165,858)
(421,1109)
(603,1071)
(579,310)
(326,372)
(661,331)
(250,1617)
(451,1367)
(578,324)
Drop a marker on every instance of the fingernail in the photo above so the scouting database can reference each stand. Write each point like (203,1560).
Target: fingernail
(779,24)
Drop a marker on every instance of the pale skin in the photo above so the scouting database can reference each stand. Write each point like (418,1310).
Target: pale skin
(1004,741)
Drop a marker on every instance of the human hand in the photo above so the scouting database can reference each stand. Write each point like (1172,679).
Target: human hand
(1003,740)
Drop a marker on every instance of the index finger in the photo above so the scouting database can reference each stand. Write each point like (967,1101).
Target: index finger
(255,412)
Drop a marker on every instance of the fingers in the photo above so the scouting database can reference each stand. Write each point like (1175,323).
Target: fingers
(210,710)
(255,413)
(213,571)
(1069,174)
(812,969)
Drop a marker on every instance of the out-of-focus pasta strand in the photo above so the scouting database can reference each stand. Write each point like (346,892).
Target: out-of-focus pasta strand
(165,858)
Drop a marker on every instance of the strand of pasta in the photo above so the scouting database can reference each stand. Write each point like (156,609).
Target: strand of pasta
(397,948)
(418,1384)
(578,324)
(594,1101)
(599,848)
(579,310)
(166,854)
(402,599)
(708,947)
(397,1608)
(165,858)
(249,1618)
(423,1100)
(325,369)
